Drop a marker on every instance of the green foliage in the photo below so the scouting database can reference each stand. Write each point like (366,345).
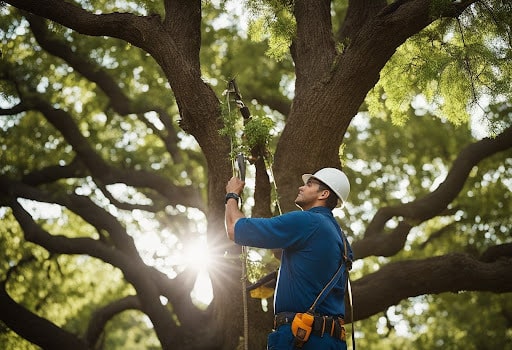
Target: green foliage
(455,64)
(272,20)
(245,135)
(233,126)
(66,290)
(130,330)
(259,263)
(11,340)
(257,131)
(34,131)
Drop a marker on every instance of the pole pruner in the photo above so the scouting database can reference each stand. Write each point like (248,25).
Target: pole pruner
(241,166)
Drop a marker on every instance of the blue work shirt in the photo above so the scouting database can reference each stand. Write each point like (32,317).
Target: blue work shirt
(312,252)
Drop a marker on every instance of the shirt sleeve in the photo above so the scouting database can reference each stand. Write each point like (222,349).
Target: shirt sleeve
(283,231)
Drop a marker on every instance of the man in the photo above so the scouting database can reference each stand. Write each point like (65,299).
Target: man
(313,246)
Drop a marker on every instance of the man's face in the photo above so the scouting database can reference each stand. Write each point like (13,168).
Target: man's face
(308,194)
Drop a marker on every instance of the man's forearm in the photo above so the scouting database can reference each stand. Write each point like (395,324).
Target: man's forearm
(232,214)
(234,187)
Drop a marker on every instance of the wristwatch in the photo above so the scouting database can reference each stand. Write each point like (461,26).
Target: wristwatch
(232,195)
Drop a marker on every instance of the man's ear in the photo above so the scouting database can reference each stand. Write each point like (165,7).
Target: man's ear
(325,194)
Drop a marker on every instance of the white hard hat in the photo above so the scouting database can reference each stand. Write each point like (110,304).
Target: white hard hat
(335,179)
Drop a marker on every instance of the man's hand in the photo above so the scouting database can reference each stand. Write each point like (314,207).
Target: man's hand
(235,185)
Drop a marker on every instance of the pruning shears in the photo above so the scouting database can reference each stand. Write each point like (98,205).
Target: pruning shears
(244,110)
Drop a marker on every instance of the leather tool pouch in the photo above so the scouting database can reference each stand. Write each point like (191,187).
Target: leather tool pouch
(302,326)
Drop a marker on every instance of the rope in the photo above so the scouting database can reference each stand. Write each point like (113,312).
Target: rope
(353,330)
(244,297)
(268,165)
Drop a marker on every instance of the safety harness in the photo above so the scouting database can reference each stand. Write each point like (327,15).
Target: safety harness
(305,324)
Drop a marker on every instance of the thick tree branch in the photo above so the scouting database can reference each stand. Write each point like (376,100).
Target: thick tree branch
(56,244)
(313,47)
(76,169)
(83,206)
(494,253)
(359,12)
(177,290)
(375,242)
(59,48)
(449,273)
(174,44)
(33,328)
(178,57)
(101,316)
(19,108)
(124,26)
(52,173)
(197,102)
(183,22)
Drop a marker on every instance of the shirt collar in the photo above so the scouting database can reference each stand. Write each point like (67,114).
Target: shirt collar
(322,210)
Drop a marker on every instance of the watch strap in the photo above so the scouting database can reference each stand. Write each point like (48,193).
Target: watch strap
(232,195)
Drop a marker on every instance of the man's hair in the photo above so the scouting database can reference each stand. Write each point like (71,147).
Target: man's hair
(332,201)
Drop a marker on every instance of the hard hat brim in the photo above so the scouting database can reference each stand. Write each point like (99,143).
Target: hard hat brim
(306,177)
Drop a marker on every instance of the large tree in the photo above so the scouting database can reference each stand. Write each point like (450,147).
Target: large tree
(97,96)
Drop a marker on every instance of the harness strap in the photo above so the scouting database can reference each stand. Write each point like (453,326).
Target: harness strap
(348,288)
(348,263)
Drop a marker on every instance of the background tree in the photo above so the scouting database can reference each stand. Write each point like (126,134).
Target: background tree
(115,115)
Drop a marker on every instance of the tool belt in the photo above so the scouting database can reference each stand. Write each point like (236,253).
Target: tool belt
(322,325)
